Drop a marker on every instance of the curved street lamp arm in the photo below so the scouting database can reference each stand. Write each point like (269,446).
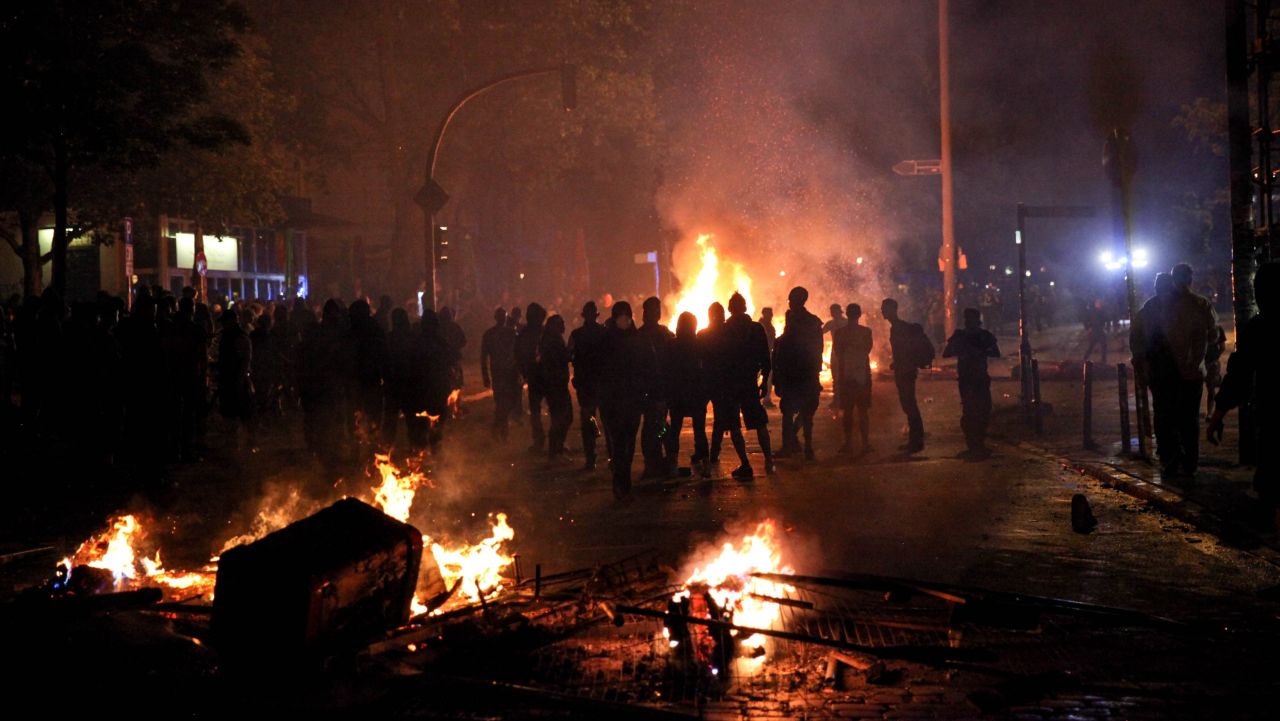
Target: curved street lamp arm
(464,99)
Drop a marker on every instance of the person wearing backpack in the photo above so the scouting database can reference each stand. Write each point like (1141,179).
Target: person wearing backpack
(912,351)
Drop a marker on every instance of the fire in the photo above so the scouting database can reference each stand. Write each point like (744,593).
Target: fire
(478,567)
(116,551)
(711,283)
(395,494)
(825,375)
(728,578)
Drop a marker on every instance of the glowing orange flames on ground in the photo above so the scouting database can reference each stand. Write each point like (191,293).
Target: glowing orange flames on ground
(476,569)
(727,577)
(115,550)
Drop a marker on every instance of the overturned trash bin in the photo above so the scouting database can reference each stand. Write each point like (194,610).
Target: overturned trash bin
(320,586)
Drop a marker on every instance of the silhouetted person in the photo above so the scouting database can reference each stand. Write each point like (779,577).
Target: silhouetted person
(527,340)
(771,335)
(1250,378)
(235,379)
(324,365)
(851,373)
(654,428)
(457,340)
(189,348)
(971,346)
(405,393)
(369,349)
(714,366)
(437,375)
(383,316)
(1188,322)
(837,323)
(797,363)
(688,391)
(1095,324)
(499,372)
(743,358)
(911,352)
(622,392)
(586,348)
(553,374)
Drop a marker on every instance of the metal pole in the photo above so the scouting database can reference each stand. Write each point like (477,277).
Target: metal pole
(1122,386)
(1262,64)
(1087,430)
(948,217)
(1024,342)
(1036,405)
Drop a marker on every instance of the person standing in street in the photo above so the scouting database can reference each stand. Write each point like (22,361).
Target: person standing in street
(553,375)
(911,351)
(622,398)
(971,346)
(771,335)
(688,392)
(1189,323)
(744,360)
(796,369)
(714,373)
(527,340)
(585,346)
(1249,380)
(654,429)
(851,368)
(498,370)
(1095,324)
(837,323)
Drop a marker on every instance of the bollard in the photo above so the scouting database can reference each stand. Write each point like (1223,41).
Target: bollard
(1122,385)
(1035,396)
(1087,430)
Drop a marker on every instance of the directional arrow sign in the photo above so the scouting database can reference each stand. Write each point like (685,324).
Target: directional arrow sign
(918,167)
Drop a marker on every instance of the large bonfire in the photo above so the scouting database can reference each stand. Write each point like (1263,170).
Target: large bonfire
(707,280)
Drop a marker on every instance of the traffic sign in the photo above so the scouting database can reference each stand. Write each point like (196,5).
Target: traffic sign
(918,167)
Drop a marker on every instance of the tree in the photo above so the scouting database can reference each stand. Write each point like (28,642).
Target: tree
(24,190)
(109,86)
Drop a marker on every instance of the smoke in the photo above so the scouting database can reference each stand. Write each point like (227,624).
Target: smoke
(788,122)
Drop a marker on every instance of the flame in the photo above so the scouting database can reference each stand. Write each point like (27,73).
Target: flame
(727,577)
(478,567)
(395,495)
(278,509)
(711,284)
(825,375)
(115,551)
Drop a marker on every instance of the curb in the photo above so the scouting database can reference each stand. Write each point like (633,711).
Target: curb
(1163,499)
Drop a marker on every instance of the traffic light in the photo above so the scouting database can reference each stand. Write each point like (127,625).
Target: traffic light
(442,244)
(569,86)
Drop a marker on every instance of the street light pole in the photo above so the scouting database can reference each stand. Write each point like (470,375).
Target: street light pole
(432,197)
(948,217)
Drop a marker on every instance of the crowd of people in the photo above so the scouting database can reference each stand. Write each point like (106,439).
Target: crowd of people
(137,384)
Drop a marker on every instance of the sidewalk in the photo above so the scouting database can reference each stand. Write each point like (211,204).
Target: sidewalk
(1219,499)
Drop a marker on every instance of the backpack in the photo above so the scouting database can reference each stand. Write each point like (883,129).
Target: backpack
(919,348)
